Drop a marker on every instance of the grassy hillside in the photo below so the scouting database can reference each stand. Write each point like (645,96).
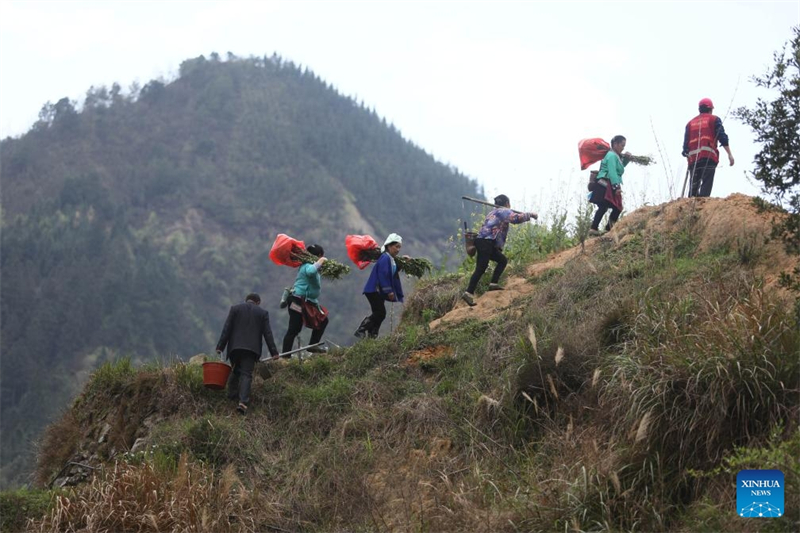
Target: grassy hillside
(133,220)
(617,385)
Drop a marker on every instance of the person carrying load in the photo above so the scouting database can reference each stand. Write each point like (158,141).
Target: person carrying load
(490,242)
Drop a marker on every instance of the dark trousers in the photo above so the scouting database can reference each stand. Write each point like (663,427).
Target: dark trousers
(372,324)
(601,210)
(241,377)
(296,325)
(487,251)
(599,199)
(702,172)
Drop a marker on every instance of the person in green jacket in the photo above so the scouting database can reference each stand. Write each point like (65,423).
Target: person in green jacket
(607,192)
(307,287)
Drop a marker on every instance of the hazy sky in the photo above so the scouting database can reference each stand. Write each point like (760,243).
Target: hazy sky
(501,90)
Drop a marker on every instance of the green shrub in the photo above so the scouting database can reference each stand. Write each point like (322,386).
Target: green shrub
(189,377)
(18,506)
(411,336)
(166,444)
(312,370)
(163,459)
(332,394)
(209,440)
(111,377)
(369,353)
(214,440)
(716,511)
(432,298)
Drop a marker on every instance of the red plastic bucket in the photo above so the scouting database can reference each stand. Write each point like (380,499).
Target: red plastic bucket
(215,375)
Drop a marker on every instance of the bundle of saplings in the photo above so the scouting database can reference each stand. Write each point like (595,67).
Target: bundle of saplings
(412,266)
(642,160)
(330,269)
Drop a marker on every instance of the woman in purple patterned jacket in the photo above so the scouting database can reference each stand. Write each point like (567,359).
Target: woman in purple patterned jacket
(489,243)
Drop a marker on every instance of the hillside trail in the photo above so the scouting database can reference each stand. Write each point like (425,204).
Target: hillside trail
(490,303)
(732,223)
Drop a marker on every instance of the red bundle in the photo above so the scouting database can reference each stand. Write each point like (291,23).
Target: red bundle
(356,244)
(592,151)
(282,250)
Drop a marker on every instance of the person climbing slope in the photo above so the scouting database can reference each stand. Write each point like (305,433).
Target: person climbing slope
(490,242)
(246,324)
(607,193)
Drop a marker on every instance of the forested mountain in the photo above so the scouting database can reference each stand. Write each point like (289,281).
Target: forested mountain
(131,222)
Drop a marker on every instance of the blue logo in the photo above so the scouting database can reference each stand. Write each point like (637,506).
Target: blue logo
(759,493)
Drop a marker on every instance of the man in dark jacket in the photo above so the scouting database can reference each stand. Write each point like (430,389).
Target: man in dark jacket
(247,323)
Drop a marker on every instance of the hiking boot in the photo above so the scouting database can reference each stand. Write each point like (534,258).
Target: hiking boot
(496,287)
(362,330)
(470,299)
(317,349)
(595,233)
(241,408)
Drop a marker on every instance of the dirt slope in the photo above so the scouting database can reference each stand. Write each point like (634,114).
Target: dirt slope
(733,222)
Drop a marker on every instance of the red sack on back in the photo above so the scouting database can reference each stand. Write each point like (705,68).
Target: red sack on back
(355,245)
(281,252)
(592,151)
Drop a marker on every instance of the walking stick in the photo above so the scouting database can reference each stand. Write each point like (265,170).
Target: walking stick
(686,179)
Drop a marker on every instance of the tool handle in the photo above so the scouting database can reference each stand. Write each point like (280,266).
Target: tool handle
(297,350)
(490,204)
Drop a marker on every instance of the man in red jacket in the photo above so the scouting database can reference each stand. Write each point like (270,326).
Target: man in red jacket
(703,133)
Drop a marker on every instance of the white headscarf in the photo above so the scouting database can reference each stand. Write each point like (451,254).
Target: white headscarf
(393,237)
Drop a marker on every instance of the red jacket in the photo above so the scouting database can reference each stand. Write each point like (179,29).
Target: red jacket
(701,136)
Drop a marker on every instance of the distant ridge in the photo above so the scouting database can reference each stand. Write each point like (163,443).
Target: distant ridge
(131,221)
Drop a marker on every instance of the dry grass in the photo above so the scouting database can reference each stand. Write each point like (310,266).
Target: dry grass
(111,413)
(60,442)
(142,498)
(710,372)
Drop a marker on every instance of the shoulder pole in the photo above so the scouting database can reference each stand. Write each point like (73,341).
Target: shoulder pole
(490,204)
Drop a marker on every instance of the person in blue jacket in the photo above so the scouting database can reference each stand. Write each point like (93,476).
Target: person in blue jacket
(383,284)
